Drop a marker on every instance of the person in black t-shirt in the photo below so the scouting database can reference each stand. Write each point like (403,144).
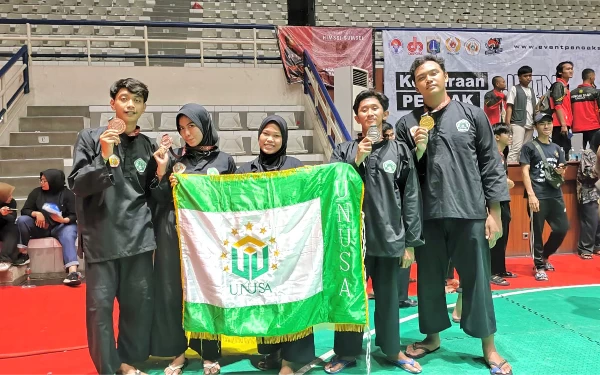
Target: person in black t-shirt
(545,202)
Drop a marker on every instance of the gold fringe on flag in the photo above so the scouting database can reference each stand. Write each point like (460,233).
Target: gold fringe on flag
(252,340)
(222,338)
(349,328)
(285,338)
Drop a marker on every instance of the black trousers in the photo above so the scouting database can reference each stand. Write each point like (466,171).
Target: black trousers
(552,210)
(387,314)
(168,337)
(498,252)
(464,242)
(129,280)
(301,350)
(403,281)
(562,140)
(9,235)
(589,234)
(209,350)
(587,137)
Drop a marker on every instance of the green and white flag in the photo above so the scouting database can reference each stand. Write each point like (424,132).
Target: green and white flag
(272,254)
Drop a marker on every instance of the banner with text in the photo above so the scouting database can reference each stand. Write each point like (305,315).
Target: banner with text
(474,58)
(329,47)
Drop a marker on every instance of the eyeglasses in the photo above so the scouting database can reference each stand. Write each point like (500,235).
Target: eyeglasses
(43,181)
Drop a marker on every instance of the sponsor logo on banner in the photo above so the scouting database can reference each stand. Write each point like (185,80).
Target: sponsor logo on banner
(472,46)
(396,46)
(415,47)
(465,87)
(434,45)
(493,46)
(453,45)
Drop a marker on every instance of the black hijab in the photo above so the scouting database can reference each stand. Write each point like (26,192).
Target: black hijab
(200,117)
(274,161)
(56,181)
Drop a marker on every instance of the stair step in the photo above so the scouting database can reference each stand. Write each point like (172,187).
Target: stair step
(35,152)
(23,184)
(28,167)
(58,111)
(43,138)
(51,123)
(14,276)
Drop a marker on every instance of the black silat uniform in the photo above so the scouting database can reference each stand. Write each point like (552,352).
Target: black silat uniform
(303,349)
(460,172)
(116,234)
(168,337)
(393,221)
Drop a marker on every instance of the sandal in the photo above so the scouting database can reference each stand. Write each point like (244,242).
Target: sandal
(174,368)
(497,280)
(549,267)
(336,360)
(597,252)
(270,362)
(507,275)
(208,368)
(586,256)
(402,364)
(419,346)
(496,369)
(540,275)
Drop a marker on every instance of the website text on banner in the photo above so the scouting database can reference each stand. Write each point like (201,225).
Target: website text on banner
(329,47)
(474,58)
(272,254)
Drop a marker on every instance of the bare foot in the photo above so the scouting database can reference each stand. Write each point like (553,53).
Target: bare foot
(286,368)
(331,368)
(211,368)
(414,368)
(495,360)
(174,367)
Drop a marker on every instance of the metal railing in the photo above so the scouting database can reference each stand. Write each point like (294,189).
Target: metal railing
(6,82)
(328,115)
(145,40)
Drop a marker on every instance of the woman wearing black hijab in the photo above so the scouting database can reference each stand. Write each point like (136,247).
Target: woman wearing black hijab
(36,221)
(272,140)
(200,155)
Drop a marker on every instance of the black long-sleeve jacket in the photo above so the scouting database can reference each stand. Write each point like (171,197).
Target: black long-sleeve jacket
(113,216)
(392,202)
(461,169)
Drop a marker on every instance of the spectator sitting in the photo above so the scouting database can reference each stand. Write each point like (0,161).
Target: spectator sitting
(37,222)
(9,234)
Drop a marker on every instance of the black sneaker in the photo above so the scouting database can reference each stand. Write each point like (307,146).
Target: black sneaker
(72,279)
(22,260)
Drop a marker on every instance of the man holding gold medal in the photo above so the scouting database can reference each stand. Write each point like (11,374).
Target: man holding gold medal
(463,184)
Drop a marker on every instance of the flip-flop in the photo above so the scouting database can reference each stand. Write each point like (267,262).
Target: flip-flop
(402,363)
(337,361)
(496,369)
(426,351)
(455,320)
(176,367)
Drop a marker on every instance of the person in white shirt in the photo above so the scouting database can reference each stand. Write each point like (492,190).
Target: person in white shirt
(520,108)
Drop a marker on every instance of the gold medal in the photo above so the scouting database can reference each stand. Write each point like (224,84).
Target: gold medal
(114,161)
(179,168)
(427,122)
